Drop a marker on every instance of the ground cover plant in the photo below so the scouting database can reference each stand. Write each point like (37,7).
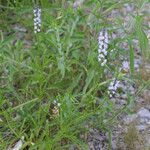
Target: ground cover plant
(59,76)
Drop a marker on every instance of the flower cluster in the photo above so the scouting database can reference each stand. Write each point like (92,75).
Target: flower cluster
(37,19)
(103,46)
(113,86)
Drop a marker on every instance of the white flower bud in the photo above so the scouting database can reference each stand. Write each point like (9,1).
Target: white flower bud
(102,47)
(113,86)
(37,19)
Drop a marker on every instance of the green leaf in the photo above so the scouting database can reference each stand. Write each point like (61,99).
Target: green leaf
(131,53)
(75,82)
(90,76)
(143,41)
(61,66)
(6,41)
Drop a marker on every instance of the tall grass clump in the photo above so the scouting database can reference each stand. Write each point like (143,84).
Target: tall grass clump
(54,82)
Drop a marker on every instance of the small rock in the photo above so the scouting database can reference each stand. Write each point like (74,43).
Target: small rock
(1,120)
(18,145)
(141,127)
(124,96)
(144,120)
(130,119)
(113,144)
(148,122)
(19,28)
(144,113)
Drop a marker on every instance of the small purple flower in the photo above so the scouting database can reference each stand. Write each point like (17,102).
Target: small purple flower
(102,47)
(113,86)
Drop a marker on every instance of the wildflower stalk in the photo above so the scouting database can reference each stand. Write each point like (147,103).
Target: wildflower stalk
(37,19)
(102,47)
(113,86)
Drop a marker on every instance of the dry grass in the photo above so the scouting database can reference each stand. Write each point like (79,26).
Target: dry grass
(133,139)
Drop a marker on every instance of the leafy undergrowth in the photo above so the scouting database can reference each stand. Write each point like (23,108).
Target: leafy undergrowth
(55,90)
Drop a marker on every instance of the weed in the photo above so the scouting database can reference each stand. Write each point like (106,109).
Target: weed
(133,139)
(59,63)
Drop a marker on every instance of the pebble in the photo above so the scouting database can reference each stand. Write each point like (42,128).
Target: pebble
(141,127)
(144,113)
(124,96)
(144,120)
(113,144)
(19,28)
(130,119)
(148,122)
(17,146)
(1,120)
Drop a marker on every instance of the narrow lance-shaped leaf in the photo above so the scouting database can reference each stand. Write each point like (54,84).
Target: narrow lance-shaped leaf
(143,41)
(131,53)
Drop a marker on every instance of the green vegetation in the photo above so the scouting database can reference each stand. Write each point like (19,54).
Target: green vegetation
(60,64)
